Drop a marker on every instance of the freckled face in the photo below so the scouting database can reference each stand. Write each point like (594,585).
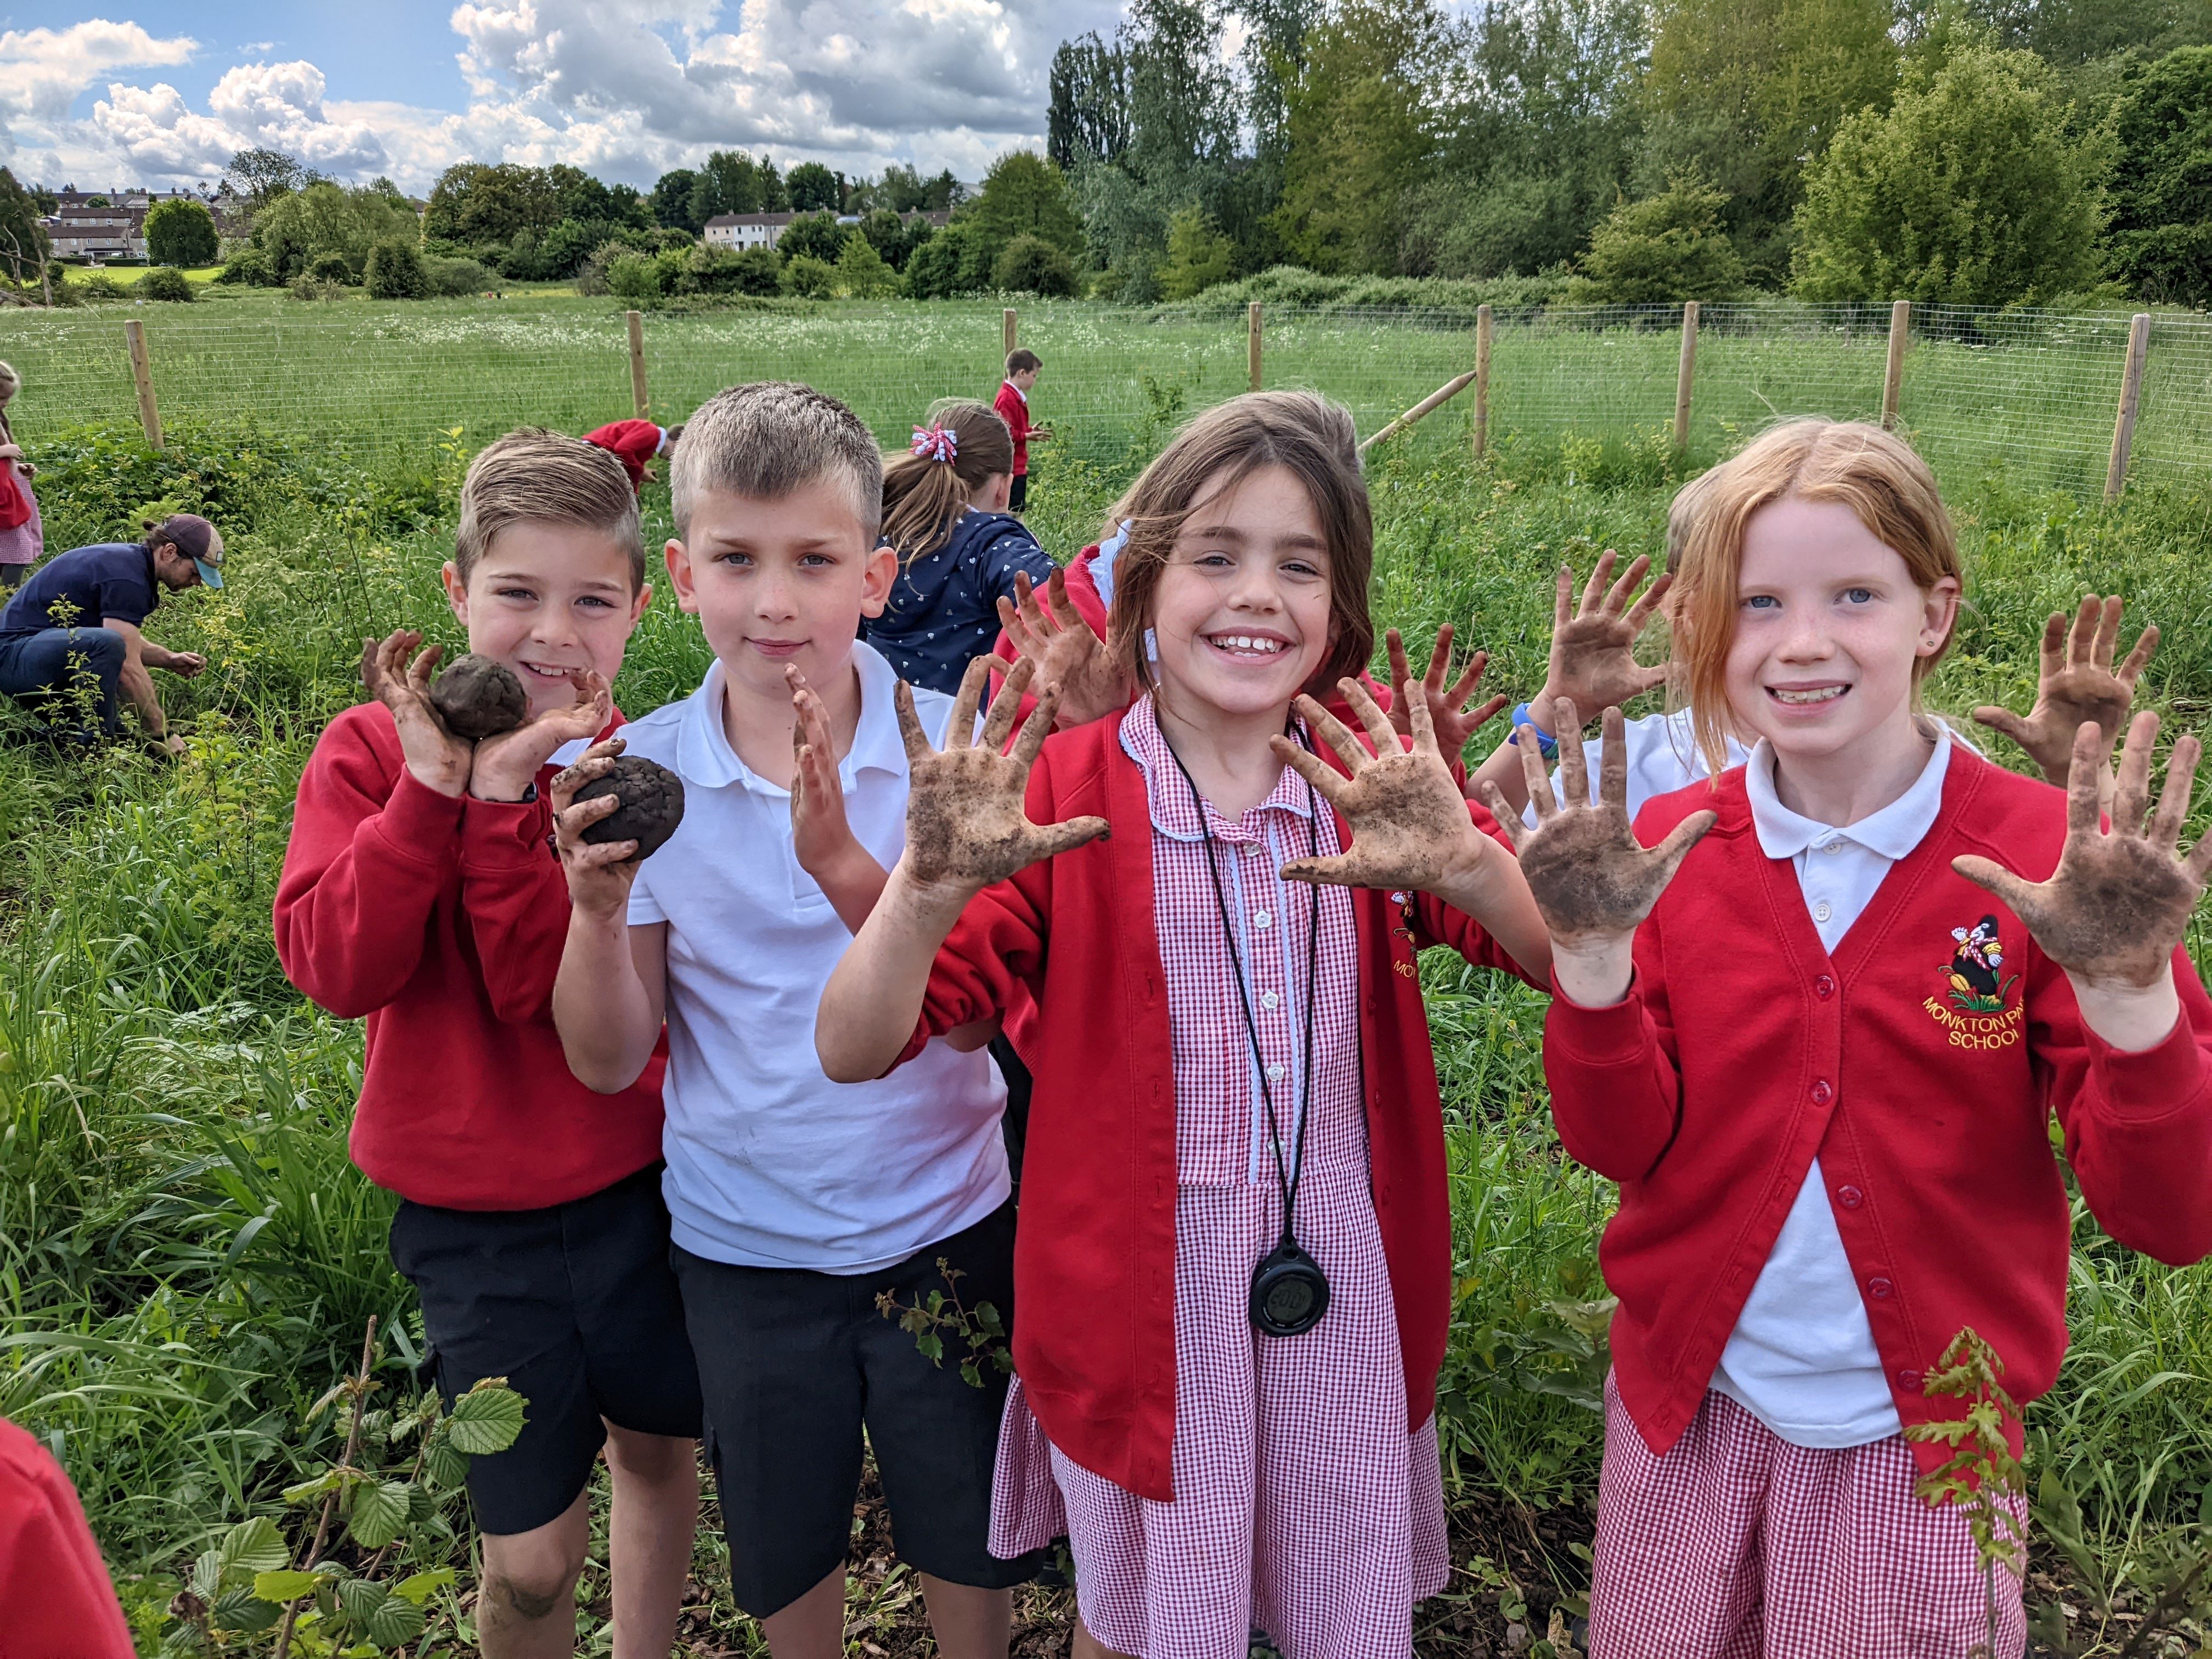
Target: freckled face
(1242,611)
(781,580)
(547,600)
(1829,625)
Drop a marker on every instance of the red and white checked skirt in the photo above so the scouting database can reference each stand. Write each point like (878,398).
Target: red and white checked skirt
(1737,1545)
(1301,1504)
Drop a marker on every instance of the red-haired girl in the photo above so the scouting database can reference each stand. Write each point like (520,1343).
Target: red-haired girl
(1234,1251)
(1816,1033)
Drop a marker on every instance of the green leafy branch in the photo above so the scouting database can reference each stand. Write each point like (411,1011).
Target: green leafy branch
(247,1583)
(931,1319)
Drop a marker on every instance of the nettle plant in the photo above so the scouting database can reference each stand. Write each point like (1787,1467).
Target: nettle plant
(389,1493)
(2154,1601)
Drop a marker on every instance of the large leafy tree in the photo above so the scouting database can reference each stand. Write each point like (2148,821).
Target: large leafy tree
(23,244)
(1087,120)
(1969,190)
(1667,247)
(1748,92)
(293,231)
(1361,130)
(1538,142)
(2161,225)
(814,188)
(181,232)
(671,200)
(1024,195)
(262,175)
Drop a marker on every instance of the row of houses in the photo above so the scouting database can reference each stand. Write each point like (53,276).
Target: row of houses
(744,230)
(98,226)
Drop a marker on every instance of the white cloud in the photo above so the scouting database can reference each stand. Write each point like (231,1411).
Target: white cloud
(623,87)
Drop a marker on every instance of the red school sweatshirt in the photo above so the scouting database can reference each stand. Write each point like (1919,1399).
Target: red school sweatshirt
(1744,1049)
(634,443)
(441,921)
(56,1600)
(1094,1248)
(1014,410)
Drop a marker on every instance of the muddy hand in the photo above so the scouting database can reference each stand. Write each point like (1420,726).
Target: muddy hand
(1066,649)
(2120,900)
(1591,878)
(1408,820)
(599,872)
(1593,658)
(2077,683)
(967,824)
(1449,712)
(435,757)
(507,764)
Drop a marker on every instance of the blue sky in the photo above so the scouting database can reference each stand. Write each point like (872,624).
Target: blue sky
(162,93)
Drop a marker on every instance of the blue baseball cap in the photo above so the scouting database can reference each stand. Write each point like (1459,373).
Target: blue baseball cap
(198,541)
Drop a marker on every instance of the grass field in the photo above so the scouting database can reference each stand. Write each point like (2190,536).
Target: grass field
(186,1258)
(2030,397)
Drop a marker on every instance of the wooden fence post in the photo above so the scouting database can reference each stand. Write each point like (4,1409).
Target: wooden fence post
(1893,379)
(1444,394)
(1685,373)
(2123,428)
(1006,328)
(1252,342)
(141,372)
(637,363)
(1481,380)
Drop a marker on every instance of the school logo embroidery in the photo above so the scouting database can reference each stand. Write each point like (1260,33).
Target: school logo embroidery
(1978,1009)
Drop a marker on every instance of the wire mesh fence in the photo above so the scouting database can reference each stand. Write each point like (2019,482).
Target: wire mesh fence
(2033,394)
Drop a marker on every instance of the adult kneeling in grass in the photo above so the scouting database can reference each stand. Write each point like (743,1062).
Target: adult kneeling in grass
(71,632)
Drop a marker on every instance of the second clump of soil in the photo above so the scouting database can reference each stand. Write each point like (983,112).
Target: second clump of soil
(477,697)
(651,807)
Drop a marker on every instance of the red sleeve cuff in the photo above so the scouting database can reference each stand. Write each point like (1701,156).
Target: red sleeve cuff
(2150,1083)
(1597,1036)
(419,824)
(506,834)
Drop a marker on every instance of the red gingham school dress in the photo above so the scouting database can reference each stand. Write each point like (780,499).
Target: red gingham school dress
(1301,1504)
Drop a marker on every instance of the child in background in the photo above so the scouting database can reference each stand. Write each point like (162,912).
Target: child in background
(635,444)
(418,892)
(1818,1047)
(22,534)
(958,548)
(1013,403)
(796,1202)
(1233,1069)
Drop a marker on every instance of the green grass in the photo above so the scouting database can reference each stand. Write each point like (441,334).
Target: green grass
(186,1258)
(2030,395)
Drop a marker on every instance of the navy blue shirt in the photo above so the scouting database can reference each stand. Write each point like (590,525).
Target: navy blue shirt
(944,606)
(112,582)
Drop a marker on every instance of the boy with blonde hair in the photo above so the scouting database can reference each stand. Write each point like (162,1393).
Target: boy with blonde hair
(797,1202)
(418,892)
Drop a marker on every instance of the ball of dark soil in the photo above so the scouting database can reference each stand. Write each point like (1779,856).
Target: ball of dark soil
(477,698)
(651,807)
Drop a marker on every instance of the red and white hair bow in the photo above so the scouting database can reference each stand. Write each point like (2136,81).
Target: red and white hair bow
(939,443)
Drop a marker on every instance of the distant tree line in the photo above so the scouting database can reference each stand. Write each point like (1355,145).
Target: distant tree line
(1976,151)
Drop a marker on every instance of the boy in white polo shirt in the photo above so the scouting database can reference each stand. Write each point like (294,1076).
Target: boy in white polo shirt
(795,1202)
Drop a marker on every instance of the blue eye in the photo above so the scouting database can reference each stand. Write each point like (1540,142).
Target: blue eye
(1859,595)
(1762,602)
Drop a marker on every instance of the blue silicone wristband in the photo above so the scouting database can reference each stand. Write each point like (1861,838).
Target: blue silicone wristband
(1547,745)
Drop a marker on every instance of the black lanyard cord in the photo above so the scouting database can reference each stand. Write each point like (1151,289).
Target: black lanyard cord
(1286,1182)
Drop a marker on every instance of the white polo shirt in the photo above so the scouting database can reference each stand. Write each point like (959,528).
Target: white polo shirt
(1802,1358)
(770,1165)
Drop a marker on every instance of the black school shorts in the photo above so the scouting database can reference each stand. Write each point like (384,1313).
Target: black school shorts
(575,1306)
(794,1364)
(1018,496)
